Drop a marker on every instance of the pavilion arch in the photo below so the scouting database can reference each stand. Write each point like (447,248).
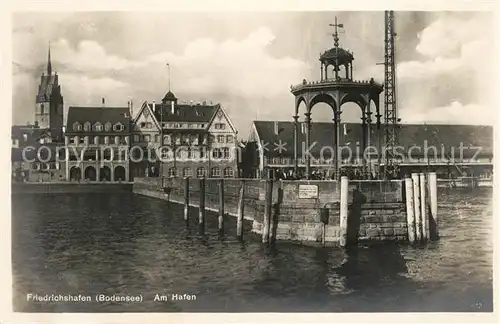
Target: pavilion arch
(323,98)
(298,101)
(358,99)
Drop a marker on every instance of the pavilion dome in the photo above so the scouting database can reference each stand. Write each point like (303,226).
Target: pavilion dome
(336,55)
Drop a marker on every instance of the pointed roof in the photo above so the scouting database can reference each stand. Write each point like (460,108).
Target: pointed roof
(49,64)
(169,97)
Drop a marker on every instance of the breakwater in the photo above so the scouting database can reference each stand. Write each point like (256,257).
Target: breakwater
(304,211)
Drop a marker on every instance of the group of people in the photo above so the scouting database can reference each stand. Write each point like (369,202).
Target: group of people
(291,174)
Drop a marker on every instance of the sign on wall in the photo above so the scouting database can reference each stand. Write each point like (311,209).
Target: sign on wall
(308,192)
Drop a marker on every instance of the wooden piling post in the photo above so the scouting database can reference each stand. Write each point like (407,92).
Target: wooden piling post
(410,210)
(241,203)
(433,217)
(416,206)
(267,211)
(221,206)
(201,214)
(423,208)
(273,231)
(344,186)
(186,201)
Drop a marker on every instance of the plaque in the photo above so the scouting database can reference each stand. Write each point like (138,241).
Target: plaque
(308,192)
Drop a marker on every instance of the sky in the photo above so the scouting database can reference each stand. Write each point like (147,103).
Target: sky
(246,61)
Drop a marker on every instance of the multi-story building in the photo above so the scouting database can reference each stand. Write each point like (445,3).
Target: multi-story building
(191,139)
(97,140)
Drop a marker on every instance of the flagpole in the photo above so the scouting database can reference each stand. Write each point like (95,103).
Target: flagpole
(168,66)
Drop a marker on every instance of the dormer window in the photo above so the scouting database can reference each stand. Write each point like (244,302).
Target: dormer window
(86,127)
(77,126)
(107,126)
(118,127)
(97,127)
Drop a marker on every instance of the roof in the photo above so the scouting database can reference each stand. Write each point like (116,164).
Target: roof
(98,114)
(185,113)
(169,97)
(409,135)
(337,53)
(33,133)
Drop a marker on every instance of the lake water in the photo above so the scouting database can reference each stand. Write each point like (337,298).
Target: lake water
(125,244)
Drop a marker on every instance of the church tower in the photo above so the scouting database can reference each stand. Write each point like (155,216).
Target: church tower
(49,104)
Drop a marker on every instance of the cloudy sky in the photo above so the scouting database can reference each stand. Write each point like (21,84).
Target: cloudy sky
(247,61)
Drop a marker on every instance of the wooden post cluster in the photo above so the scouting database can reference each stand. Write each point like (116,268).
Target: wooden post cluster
(221,207)
(201,215)
(267,211)
(344,190)
(410,210)
(433,208)
(186,201)
(421,207)
(416,205)
(241,203)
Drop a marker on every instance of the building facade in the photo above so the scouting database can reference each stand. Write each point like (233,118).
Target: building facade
(189,140)
(97,141)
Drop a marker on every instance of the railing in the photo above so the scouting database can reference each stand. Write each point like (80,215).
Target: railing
(284,161)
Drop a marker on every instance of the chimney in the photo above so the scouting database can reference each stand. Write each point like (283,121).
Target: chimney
(131,107)
(154,106)
(276,128)
(103,102)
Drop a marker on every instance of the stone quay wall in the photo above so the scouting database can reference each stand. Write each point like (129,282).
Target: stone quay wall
(376,209)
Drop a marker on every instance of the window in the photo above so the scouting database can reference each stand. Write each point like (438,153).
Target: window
(97,127)
(225,153)
(96,140)
(166,139)
(216,153)
(172,172)
(193,139)
(220,126)
(86,127)
(186,172)
(77,126)
(215,172)
(149,125)
(147,138)
(157,138)
(220,139)
(229,139)
(106,140)
(107,126)
(117,139)
(34,166)
(189,153)
(228,172)
(203,153)
(201,172)
(118,127)
(143,125)
(177,139)
(184,139)
(178,153)
(136,138)
(72,140)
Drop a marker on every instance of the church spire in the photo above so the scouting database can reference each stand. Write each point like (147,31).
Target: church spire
(49,64)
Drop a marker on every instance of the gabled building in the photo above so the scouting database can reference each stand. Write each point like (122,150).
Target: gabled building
(271,146)
(98,141)
(196,139)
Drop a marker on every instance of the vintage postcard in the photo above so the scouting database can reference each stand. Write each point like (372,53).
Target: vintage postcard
(295,161)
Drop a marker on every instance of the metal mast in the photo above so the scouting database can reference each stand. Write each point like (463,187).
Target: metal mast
(390,104)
